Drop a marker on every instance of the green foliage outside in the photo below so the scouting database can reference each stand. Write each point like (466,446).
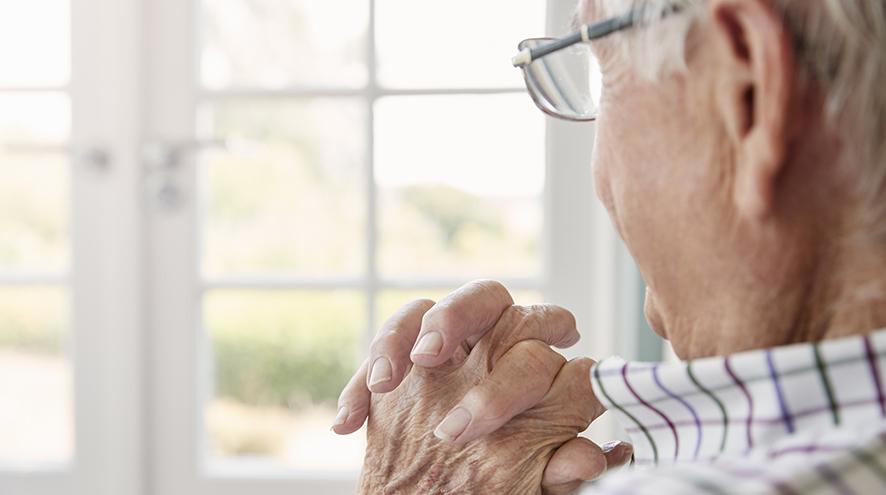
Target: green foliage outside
(289,349)
(452,210)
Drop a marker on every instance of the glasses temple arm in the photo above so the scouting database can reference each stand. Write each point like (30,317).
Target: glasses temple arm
(587,33)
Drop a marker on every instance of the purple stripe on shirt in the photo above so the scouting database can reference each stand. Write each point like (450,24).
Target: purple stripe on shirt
(875,372)
(624,373)
(606,374)
(782,405)
(747,394)
(758,420)
(686,404)
(812,448)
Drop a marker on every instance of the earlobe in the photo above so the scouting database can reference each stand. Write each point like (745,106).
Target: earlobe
(758,81)
(755,180)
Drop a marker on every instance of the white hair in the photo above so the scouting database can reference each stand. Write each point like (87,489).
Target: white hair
(840,45)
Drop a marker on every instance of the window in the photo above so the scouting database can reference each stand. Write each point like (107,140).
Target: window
(376,163)
(208,207)
(36,392)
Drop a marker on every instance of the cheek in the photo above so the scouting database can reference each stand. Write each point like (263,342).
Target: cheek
(622,177)
(601,178)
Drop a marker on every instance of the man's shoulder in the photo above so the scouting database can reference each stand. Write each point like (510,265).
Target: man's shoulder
(838,461)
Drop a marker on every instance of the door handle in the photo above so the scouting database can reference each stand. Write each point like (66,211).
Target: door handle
(163,162)
(94,158)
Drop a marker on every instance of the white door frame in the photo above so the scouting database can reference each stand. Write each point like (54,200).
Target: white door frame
(105,275)
(138,408)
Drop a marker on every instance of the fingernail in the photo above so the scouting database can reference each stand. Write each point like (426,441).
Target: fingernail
(429,345)
(341,417)
(453,425)
(610,446)
(627,450)
(381,372)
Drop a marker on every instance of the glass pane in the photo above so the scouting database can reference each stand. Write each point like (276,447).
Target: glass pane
(34,118)
(389,301)
(460,183)
(36,414)
(34,42)
(457,43)
(281,359)
(291,200)
(277,43)
(34,207)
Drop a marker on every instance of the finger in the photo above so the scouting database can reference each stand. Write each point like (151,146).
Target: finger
(617,453)
(575,461)
(353,404)
(519,381)
(579,460)
(548,323)
(389,354)
(471,310)
(572,394)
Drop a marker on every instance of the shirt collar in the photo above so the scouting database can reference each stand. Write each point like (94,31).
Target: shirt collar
(712,407)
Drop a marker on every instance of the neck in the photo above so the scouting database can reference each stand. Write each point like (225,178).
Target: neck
(851,298)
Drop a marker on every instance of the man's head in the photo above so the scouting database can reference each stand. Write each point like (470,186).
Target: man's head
(741,152)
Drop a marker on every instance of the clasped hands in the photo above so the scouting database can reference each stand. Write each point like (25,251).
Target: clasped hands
(465,395)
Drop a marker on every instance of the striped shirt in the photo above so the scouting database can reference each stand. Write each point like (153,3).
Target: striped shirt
(799,419)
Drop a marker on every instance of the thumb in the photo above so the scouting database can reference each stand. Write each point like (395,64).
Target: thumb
(581,460)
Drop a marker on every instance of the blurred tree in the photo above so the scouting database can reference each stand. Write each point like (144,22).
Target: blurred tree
(451,210)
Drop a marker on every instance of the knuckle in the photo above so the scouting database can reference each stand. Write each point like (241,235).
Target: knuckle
(582,364)
(446,317)
(493,287)
(533,322)
(488,284)
(554,314)
(538,356)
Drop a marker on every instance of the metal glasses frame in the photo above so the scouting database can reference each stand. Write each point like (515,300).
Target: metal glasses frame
(585,34)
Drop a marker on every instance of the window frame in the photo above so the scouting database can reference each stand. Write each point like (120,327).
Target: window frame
(103,276)
(578,244)
(134,269)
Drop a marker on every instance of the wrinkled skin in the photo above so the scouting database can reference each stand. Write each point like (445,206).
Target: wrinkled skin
(525,444)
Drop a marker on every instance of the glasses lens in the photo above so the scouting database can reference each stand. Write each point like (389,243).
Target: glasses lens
(566,83)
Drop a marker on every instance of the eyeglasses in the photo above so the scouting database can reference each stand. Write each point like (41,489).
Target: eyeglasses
(563,75)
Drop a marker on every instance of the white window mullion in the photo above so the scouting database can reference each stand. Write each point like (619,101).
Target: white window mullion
(176,357)
(372,224)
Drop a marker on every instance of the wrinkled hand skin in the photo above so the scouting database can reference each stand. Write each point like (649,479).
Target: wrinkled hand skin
(404,457)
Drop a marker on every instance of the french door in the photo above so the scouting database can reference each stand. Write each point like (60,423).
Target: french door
(232,195)
(71,341)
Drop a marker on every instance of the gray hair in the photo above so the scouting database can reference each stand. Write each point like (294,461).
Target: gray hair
(840,45)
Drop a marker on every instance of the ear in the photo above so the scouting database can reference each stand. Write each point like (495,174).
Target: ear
(756,81)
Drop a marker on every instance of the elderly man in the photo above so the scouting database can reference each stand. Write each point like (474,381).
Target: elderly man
(741,153)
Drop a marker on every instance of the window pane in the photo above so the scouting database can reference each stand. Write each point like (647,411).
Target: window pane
(34,118)
(277,43)
(34,204)
(460,182)
(34,42)
(36,415)
(389,301)
(291,200)
(457,43)
(281,359)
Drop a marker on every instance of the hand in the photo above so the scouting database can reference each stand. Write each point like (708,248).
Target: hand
(460,321)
